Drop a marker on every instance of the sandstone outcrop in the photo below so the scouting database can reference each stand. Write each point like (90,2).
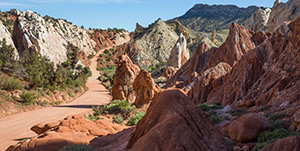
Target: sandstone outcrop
(145,88)
(179,54)
(138,26)
(238,42)
(195,64)
(284,144)
(213,35)
(174,122)
(248,127)
(49,36)
(4,34)
(258,20)
(124,76)
(169,72)
(74,129)
(208,80)
(176,25)
(156,42)
(267,74)
(282,12)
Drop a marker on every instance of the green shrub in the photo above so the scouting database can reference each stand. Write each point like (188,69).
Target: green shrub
(106,51)
(108,59)
(274,117)
(118,119)
(93,118)
(133,120)
(262,108)
(99,109)
(216,105)
(13,84)
(76,147)
(237,112)
(260,146)
(27,98)
(203,107)
(101,55)
(270,137)
(213,116)
(90,56)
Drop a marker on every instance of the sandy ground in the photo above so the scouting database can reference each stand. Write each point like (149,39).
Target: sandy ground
(16,127)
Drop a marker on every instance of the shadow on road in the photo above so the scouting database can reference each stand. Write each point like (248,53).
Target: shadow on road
(76,106)
(99,90)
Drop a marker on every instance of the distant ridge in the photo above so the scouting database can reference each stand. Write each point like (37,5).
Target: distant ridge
(203,17)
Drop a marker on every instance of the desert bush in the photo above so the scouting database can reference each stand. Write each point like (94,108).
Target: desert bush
(118,119)
(93,118)
(99,109)
(27,98)
(203,107)
(237,112)
(262,108)
(213,116)
(76,147)
(13,84)
(133,120)
(270,137)
(106,51)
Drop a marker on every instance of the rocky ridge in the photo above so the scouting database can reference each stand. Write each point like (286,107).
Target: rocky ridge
(282,12)
(258,20)
(49,36)
(203,17)
(155,43)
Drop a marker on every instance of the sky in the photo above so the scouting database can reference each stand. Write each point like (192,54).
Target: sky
(117,13)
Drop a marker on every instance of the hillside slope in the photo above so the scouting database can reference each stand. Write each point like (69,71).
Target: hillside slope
(203,17)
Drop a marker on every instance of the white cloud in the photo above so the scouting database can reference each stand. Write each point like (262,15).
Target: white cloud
(11,4)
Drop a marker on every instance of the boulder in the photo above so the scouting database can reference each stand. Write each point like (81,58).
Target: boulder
(179,54)
(248,127)
(124,76)
(283,12)
(174,122)
(145,88)
(258,20)
(284,144)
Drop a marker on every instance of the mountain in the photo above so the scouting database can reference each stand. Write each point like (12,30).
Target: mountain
(155,43)
(203,17)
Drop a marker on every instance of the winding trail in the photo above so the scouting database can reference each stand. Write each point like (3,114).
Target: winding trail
(16,127)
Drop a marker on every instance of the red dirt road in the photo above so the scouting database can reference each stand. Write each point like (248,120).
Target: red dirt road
(16,127)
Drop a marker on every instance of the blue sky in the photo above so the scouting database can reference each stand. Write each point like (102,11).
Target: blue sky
(117,13)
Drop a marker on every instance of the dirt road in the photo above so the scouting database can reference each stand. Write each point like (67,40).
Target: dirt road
(16,127)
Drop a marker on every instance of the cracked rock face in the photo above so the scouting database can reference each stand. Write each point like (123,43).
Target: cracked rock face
(49,36)
(125,74)
(4,33)
(179,54)
(258,20)
(174,122)
(282,12)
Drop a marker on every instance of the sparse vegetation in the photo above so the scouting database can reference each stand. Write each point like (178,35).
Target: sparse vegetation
(118,119)
(133,120)
(76,147)
(237,112)
(214,117)
(93,118)
(262,108)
